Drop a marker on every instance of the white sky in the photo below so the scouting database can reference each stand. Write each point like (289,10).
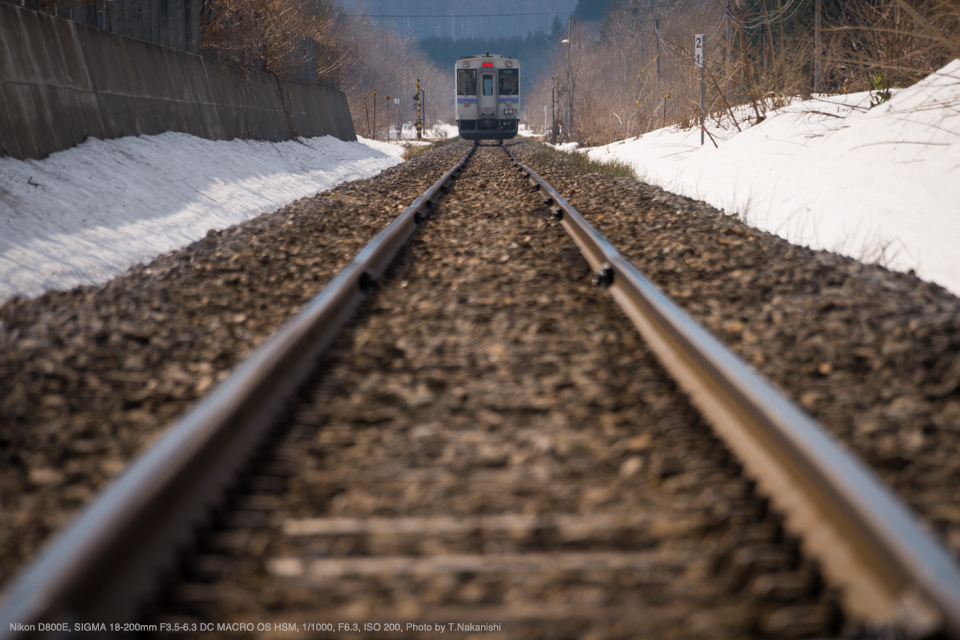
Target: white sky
(829,173)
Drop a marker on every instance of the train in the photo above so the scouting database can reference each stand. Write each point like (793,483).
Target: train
(488,97)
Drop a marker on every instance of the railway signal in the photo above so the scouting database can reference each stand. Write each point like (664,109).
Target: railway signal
(419,112)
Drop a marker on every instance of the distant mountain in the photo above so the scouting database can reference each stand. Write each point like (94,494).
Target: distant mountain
(460,19)
(591,10)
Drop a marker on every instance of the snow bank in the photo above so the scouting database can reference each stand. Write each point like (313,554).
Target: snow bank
(832,173)
(87,214)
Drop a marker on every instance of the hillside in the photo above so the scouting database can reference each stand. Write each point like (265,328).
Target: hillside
(463,19)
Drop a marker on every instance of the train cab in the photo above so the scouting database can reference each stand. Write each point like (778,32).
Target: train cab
(488,97)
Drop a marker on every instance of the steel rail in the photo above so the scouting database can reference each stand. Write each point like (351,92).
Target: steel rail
(106,562)
(892,573)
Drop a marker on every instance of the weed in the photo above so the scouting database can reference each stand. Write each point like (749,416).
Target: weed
(418,150)
(578,162)
(879,91)
(882,253)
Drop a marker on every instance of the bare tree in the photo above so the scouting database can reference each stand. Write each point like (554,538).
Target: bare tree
(637,72)
(383,66)
(277,36)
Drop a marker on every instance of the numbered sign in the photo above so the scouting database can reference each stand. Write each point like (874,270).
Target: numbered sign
(698,50)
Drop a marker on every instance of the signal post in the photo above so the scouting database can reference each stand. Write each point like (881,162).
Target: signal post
(419,112)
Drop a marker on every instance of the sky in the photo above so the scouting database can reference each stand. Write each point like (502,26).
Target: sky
(830,173)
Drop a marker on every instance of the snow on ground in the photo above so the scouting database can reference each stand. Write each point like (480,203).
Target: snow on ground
(444,130)
(830,173)
(880,184)
(526,131)
(87,214)
(408,133)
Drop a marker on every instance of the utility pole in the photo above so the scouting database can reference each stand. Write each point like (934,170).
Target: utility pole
(643,58)
(656,31)
(666,94)
(763,50)
(396,113)
(727,66)
(553,112)
(371,133)
(568,119)
(386,113)
(817,45)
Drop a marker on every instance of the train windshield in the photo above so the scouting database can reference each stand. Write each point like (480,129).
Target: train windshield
(466,82)
(488,85)
(509,82)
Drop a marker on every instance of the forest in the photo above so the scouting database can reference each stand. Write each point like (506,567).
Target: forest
(615,68)
(635,70)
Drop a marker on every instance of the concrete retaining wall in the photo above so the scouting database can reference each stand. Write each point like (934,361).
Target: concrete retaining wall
(61,82)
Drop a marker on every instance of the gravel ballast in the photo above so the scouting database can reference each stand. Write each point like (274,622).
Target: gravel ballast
(874,355)
(91,376)
(489,384)
(496,444)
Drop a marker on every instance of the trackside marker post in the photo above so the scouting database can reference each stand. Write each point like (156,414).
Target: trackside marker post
(698,58)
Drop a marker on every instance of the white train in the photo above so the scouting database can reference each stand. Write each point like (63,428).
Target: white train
(488,97)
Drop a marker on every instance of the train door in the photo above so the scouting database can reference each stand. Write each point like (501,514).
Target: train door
(487,100)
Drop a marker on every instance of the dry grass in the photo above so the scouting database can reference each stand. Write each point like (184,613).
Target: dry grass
(415,151)
(577,162)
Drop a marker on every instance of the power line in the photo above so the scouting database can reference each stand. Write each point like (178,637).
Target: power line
(462,15)
(761,19)
(767,17)
(598,13)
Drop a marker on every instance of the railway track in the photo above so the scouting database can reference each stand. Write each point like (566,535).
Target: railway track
(491,443)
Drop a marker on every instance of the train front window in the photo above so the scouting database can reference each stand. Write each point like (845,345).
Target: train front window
(466,82)
(509,82)
(488,85)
